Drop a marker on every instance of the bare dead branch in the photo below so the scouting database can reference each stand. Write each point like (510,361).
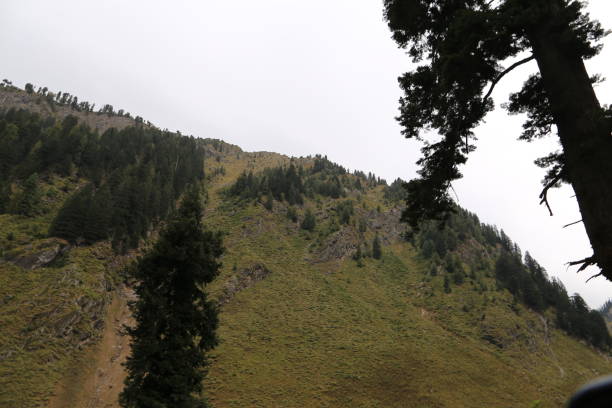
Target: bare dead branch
(504,72)
(572,223)
(585,263)
(594,276)
(544,193)
(453,188)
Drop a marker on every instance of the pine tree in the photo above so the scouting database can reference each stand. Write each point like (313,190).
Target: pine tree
(460,49)
(292,214)
(447,287)
(5,196)
(269,203)
(29,201)
(175,323)
(428,248)
(358,256)
(309,222)
(71,220)
(433,269)
(99,216)
(376,248)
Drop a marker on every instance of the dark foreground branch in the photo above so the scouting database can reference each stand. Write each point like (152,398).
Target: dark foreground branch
(544,194)
(504,72)
(572,223)
(585,263)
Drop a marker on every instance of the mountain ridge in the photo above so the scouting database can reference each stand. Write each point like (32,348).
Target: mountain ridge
(310,316)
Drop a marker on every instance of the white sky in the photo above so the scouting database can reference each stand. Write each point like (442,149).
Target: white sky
(294,77)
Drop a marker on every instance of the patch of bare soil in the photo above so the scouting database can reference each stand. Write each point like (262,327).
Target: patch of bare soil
(98,379)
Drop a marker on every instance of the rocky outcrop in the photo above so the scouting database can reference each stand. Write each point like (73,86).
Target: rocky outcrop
(343,243)
(386,224)
(243,280)
(37,254)
(18,99)
(339,245)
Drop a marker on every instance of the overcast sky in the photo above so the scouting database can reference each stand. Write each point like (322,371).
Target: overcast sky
(294,77)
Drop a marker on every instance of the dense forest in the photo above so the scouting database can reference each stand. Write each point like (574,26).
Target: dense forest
(292,183)
(128,179)
(521,275)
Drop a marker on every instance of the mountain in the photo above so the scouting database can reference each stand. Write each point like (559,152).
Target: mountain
(327,299)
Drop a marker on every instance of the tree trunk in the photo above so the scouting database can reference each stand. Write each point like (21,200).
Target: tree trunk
(584,132)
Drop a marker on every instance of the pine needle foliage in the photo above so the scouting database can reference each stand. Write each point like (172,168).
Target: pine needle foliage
(175,323)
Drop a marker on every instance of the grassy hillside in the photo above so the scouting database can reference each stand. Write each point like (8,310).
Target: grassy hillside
(49,311)
(305,322)
(75,206)
(312,332)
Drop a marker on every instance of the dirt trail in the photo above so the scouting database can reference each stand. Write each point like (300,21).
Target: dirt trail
(98,379)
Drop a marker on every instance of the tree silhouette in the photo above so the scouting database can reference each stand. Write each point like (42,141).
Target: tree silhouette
(463,45)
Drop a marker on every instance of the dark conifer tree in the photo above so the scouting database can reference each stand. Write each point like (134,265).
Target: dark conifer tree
(309,222)
(28,202)
(5,196)
(99,215)
(460,49)
(428,248)
(175,323)
(269,203)
(292,214)
(376,248)
(447,286)
(71,221)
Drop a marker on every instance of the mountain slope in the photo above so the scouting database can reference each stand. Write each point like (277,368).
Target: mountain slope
(309,316)
(332,333)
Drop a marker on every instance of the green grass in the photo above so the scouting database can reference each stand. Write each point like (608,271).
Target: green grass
(383,335)
(311,334)
(36,304)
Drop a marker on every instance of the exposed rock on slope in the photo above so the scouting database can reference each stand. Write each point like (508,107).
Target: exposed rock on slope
(244,279)
(38,254)
(18,99)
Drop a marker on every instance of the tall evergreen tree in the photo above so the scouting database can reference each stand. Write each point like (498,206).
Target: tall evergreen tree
(175,323)
(5,196)
(376,248)
(72,219)
(309,222)
(463,46)
(29,201)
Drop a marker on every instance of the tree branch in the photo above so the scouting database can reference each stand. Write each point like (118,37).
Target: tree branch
(504,72)
(586,262)
(594,276)
(452,188)
(544,194)
(572,223)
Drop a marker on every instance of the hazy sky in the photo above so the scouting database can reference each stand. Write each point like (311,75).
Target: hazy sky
(294,77)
